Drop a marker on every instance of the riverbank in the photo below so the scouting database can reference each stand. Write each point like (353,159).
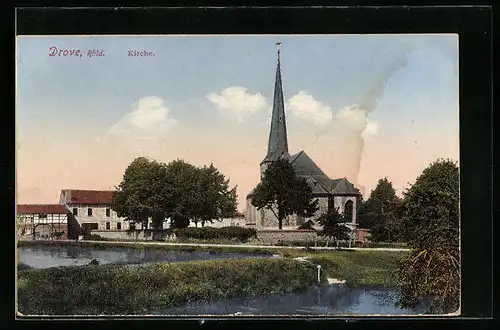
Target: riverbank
(358,267)
(205,246)
(121,290)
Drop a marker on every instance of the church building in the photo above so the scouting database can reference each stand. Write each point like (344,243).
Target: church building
(330,193)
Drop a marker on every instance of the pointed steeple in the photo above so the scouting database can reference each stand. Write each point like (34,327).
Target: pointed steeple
(278,142)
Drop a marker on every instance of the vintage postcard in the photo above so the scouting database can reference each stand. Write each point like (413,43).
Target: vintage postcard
(237,175)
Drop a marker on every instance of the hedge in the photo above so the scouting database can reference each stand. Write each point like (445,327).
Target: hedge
(230,232)
(122,290)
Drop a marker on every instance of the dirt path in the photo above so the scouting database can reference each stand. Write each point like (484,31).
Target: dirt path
(242,246)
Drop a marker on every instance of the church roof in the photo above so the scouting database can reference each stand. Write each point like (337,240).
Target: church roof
(278,142)
(320,183)
(304,165)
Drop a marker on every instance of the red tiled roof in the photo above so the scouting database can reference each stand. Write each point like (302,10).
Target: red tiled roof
(41,209)
(89,196)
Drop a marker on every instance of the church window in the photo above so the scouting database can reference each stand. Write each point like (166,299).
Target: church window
(331,203)
(348,210)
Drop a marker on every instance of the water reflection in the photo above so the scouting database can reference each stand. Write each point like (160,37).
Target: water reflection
(326,300)
(45,257)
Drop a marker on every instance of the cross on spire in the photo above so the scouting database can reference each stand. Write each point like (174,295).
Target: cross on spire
(278,45)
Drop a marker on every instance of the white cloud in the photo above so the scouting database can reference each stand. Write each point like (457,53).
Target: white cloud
(237,103)
(306,107)
(355,119)
(370,130)
(150,118)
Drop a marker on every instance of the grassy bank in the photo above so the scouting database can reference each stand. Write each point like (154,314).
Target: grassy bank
(358,268)
(113,289)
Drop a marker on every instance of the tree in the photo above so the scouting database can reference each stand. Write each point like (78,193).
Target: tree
(183,191)
(283,193)
(333,226)
(380,212)
(431,273)
(177,190)
(215,199)
(140,196)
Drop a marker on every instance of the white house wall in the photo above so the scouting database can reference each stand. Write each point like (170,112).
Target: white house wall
(51,218)
(98,216)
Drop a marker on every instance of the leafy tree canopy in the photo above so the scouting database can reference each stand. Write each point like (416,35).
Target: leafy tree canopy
(137,197)
(333,225)
(431,273)
(177,190)
(380,213)
(282,192)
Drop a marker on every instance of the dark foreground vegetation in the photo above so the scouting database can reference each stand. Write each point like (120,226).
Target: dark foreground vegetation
(113,289)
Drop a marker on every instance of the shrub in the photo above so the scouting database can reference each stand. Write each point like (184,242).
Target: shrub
(93,237)
(117,289)
(22,267)
(307,225)
(210,233)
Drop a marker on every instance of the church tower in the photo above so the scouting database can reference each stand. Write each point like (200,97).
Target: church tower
(278,143)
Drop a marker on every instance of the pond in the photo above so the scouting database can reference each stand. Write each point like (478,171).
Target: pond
(325,300)
(331,300)
(45,257)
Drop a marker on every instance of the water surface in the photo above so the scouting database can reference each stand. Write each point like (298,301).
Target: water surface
(45,257)
(326,300)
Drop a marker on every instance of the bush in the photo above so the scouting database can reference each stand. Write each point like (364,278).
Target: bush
(210,233)
(117,289)
(22,267)
(93,237)
(94,262)
(307,225)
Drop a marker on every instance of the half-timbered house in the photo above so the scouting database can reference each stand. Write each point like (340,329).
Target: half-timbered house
(42,221)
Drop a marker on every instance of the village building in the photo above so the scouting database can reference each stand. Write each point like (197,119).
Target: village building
(42,221)
(330,193)
(224,222)
(92,210)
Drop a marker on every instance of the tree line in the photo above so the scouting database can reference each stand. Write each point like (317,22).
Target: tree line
(178,192)
(426,219)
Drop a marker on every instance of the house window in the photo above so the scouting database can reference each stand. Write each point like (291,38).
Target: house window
(108,225)
(132,226)
(119,225)
(75,211)
(42,216)
(108,212)
(89,212)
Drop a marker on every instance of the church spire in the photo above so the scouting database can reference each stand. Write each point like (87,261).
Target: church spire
(278,142)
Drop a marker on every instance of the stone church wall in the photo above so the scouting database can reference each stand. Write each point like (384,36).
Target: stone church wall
(266,218)
(277,236)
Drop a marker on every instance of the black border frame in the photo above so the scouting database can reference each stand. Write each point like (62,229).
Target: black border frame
(472,23)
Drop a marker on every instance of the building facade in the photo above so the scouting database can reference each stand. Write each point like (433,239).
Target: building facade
(42,221)
(92,209)
(330,193)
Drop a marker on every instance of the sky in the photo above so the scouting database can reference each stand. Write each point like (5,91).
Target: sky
(363,107)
